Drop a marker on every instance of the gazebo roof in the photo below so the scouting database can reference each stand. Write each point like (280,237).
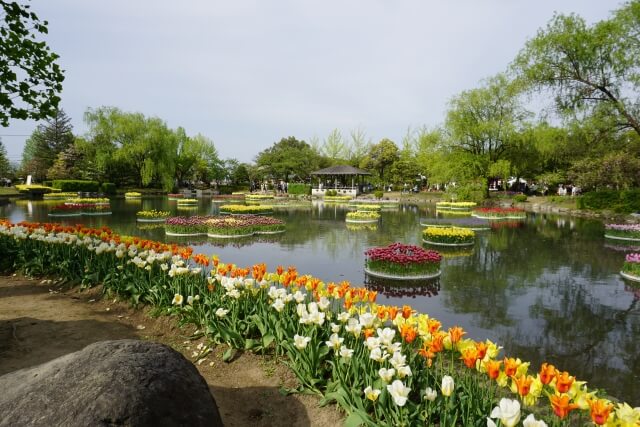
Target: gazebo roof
(340,170)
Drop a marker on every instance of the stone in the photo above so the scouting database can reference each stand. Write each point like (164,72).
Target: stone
(109,383)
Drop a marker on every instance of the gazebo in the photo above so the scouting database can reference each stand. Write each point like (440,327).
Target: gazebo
(345,179)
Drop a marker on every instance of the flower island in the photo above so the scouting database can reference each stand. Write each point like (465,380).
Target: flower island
(152,216)
(245,209)
(448,236)
(631,267)
(456,206)
(78,207)
(223,226)
(60,196)
(475,224)
(499,213)
(402,262)
(366,207)
(175,196)
(628,232)
(187,201)
(132,195)
(362,217)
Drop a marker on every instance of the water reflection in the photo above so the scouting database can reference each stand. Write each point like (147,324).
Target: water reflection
(546,288)
(403,289)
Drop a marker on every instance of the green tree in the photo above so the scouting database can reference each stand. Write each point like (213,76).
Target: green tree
(197,158)
(591,69)
(5,166)
(405,170)
(501,169)
(68,164)
(287,158)
(30,78)
(334,148)
(381,157)
(37,157)
(358,147)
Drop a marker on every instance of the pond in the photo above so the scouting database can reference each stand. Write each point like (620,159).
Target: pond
(546,288)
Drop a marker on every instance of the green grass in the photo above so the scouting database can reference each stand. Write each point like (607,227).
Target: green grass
(8,191)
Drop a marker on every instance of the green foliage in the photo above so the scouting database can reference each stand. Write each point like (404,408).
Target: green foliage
(520,198)
(331,193)
(76,185)
(299,189)
(229,189)
(626,201)
(288,157)
(108,188)
(619,170)
(5,166)
(30,78)
(381,157)
(378,194)
(472,191)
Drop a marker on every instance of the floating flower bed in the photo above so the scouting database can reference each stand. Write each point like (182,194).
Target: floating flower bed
(448,236)
(96,209)
(175,196)
(629,232)
(259,197)
(631,267)
(243,225)
(362,217)
(245,209)
(500,213)
(186,226)
(455,205)
(78,209)
(337,198)
(367,208)
(152,216)
(88,200)
(476,224)
(385,365)
(132,195)
(60,196)
(452,214)
(403,262)
(187,201)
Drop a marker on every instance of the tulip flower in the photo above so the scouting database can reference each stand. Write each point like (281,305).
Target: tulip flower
(600,410)
(430,394)
(221,312)
(523,384)
(345,352)
(547,373)
(177,299)
(447,386)
(561,406)
(371,393)
(386,374)
(531,421)
(334,342)
(493,368)
(399,392)
(563,381)
(507,411)
(300,341)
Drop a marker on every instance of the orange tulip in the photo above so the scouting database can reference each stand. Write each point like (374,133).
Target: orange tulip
(392,311)
(510,366)
(433,325)
(408,333)
(547,373)
(279,270)
(406,311)
(563,381)
(482,349)
(600,410)
(436,345)
(469,357)
(372,296)
(381,311)
(561,406)
(456,333)
(493,368)
(368,332)
(523,382)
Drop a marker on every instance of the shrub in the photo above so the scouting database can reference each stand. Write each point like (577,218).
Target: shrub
(331,193)
(618,201)
(378,194)
(299,189)
(76,185)
(108,188)
(472,191)
(520,198)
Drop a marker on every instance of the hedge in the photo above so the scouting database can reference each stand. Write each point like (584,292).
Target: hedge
(76,185)
(297,189)
(619,201)
(228,189)
(108,188)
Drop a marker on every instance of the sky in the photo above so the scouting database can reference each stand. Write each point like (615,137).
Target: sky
(246,73)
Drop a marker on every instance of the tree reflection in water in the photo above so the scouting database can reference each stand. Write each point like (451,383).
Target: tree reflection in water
(403,288)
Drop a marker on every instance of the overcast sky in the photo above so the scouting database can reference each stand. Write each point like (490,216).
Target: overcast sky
(247,73)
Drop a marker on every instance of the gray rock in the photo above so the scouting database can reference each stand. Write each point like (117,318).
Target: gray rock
(109,383)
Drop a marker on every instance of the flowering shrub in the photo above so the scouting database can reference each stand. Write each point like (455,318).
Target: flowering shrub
(385,365)
(402,260)
(632,264)
(243,225)
(132,194)
(362,216)
(498,213)
(629,231)
(449,235)
(245,209)
(153,214)
(455,205)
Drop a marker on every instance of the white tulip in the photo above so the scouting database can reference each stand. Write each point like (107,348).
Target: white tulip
(399,392)
(507,411)
(447,386)
(386,374)
(430,394)
(531,421)
(300,342)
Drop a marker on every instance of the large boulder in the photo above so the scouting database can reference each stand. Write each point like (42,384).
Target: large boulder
(109,383)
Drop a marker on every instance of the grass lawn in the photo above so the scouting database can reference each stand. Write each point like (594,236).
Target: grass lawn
(8,191)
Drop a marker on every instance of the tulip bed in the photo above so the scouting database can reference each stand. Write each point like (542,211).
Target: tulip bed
(175,196)
(631,266)
(471,223)
(362,216)
(500,213)
(403,261)
(186,226)
(132,195)
(366,207)
(187,201)
(455,205)
(88,200)
(622,231)
(243,225)
(259,196)
(245,209)
(60,196)
(78,209)
(152,216)
(384,365)
(337,198)
(449,236)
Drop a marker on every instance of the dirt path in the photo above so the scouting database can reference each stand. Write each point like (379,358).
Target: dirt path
(40,321)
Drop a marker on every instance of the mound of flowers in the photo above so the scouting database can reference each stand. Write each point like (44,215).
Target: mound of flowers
(384,365)
(60,196)
(368,207)
(132,195)
(362,216)
(245,209)
(243,225)
(175,196)
(77,209)
(500,213)
(185,201)
(448,236)
(631,266)
(403,261)
(622,231)
(88,200)
(471,223)
(455,205)
(186,226)
(152,216)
